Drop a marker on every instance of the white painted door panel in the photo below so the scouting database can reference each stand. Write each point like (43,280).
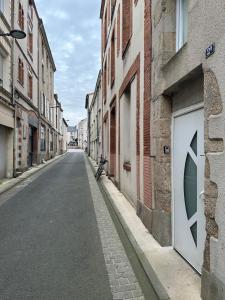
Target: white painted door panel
(188,182)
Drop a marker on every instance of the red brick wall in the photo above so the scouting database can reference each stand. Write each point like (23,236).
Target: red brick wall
(147,105)
(126,24)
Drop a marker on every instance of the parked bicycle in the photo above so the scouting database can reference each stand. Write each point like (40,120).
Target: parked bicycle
(100,168)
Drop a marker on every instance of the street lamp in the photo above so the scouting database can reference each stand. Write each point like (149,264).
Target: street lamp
(17,34)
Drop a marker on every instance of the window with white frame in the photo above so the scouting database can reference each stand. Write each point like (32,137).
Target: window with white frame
(1,69)
(181,23)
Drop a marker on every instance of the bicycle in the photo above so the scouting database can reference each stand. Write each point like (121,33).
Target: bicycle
(100,168)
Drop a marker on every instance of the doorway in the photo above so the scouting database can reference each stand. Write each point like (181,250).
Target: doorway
(188,186)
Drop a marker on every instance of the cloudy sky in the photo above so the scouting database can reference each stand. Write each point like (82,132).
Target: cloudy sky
(73,29)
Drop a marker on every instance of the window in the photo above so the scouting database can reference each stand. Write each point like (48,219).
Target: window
(127,133)
(30,86)
(118,31)
(20,72)
(127,24)
(113,5)
(43,105)
(21,17)
(51,141)
(43,73)
(1,5)
(43,143)
(30,40)
(30,9)
(113,58)
(181,23)
(105,31)
(104,82)
(1,69)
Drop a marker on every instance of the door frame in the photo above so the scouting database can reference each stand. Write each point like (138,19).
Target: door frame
(180,112)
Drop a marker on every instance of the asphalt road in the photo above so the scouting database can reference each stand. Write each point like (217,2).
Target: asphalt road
(49,242)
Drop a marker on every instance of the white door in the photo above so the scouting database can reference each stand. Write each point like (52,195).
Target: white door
(2,152)
(188,183)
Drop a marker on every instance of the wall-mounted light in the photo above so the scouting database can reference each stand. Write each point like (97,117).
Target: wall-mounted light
(16,34)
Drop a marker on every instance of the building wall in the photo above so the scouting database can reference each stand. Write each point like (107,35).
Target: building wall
(6,103)
(26,105)
(128,70)
(181,79)
(82,134)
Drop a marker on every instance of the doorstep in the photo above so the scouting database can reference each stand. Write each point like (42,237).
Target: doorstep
(7,184)
(171,276)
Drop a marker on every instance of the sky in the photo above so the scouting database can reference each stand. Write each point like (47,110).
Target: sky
(73,30)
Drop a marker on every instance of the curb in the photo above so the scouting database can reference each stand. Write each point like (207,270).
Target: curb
(170,275)
(5,187)
(158,287)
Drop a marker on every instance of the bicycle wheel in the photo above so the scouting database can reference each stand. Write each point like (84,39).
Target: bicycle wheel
(99,173)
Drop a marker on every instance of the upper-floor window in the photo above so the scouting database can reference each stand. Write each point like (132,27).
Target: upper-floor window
(30,9)
(30,40)
(126,24)
(1,5)
(21,17)
(30,85)
(43,105)
(1,69)
(105,31)
(20,72)
(181,23)
(113,5)
(113,58)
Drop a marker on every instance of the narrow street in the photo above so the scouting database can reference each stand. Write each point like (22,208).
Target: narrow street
(58,241)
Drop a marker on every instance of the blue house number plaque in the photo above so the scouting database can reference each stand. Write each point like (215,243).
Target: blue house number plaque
(210,50)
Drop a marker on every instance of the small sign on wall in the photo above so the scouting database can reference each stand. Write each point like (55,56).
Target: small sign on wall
(210,50)
(166,149)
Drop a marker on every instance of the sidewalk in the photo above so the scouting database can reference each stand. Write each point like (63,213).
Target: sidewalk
(171,277)
(7,184)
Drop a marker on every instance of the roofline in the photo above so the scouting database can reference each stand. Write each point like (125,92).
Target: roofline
(42,30)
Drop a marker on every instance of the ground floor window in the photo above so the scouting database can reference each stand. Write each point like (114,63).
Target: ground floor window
(43,138)
(51,141)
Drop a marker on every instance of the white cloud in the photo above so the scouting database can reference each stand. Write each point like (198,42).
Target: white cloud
(59,14)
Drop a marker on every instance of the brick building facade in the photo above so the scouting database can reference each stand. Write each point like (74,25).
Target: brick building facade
(163,124)
(126,66)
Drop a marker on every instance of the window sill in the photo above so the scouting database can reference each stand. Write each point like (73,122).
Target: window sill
(175,55)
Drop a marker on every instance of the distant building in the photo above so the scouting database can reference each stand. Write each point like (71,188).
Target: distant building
(82,134)
(94,111)
(72,136)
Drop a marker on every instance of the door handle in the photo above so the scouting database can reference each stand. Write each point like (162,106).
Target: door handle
(201,195)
